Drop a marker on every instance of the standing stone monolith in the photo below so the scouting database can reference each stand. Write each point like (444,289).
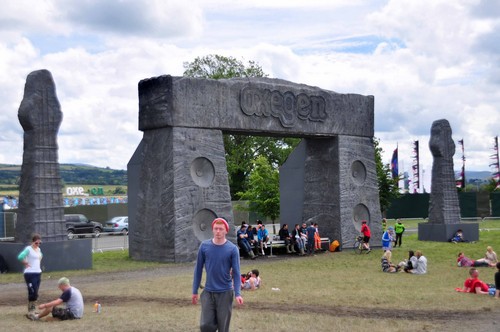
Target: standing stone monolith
(40,196)
(444,207)
(41,207)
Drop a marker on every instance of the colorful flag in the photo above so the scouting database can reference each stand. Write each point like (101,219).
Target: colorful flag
(394,164)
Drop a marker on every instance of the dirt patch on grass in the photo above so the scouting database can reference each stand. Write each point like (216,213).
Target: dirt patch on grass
(480,319)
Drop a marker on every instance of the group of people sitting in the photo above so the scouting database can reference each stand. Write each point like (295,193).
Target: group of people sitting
(253,240)
(489,260)
(415,264)
(251,280)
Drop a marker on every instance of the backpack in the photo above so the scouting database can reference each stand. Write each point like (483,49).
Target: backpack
(334,245)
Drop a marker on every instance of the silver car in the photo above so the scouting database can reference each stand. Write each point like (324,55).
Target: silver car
(117,225)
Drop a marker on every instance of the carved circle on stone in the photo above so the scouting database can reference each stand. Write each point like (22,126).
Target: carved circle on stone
(360,213)
(202,172)
(358,172)
(202,224)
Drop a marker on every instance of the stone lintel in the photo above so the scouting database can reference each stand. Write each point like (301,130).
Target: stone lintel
(253,105)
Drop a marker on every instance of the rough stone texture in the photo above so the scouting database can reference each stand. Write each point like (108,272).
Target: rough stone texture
(358,189)
(40,197)
(444,208)
(183,187)
(332,182)
(178,173)
(253,105)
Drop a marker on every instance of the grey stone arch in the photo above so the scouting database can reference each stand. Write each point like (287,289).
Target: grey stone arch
(178,178)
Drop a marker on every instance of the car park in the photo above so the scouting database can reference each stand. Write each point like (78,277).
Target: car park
(117,225)
(78,225)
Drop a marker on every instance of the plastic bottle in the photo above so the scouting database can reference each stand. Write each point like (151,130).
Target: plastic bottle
(97,307)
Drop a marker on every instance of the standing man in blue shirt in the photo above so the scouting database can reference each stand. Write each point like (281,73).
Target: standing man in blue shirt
(221,260)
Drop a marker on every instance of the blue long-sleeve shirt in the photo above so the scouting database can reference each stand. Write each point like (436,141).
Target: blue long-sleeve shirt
(219,262)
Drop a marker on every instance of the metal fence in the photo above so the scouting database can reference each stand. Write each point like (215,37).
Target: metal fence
(109,241)
(7,226)
(104,242)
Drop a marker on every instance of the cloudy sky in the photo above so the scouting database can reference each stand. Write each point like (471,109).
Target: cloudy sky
(422,60)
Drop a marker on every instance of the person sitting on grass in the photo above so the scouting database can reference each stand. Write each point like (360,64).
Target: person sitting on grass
(465,261)
(71,296)
(490,257)
(407,264)
(252,280)
(387,266)
(420,264)
(473,284)
(458,237)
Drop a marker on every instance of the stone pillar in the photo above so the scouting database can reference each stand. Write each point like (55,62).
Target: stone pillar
(183,187)
(321,187)
(41,207)
(40,196)
(358,193)
(332,181)
(444,208)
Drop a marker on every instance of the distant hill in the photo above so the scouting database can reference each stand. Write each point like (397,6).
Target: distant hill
(71,174)
(480,175)
(475,176)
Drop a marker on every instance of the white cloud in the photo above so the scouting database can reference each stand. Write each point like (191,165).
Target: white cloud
(422,60)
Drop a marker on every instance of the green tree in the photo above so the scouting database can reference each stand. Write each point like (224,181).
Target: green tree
(264,191)
(218,67)
(387,186)
(491,186)
(241,150)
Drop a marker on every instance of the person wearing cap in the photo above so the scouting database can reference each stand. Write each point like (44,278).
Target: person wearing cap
(387,239)
(365,230)
(221,261)
(71,297)
(242,239)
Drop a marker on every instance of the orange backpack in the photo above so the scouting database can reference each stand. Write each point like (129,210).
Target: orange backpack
(334,245)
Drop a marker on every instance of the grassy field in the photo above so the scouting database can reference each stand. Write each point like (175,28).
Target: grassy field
(338,291)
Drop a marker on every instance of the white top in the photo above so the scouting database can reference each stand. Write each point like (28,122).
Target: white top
(33,257)
(420,265)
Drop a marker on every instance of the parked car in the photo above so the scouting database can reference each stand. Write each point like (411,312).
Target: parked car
(79,225)
(117,224)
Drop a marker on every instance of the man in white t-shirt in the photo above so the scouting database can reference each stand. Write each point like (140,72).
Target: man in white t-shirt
(70,296)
